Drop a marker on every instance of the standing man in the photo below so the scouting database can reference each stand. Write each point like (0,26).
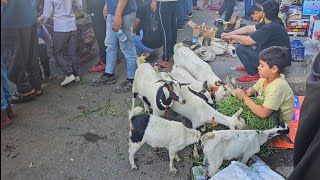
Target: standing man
(121,15)
(19,47)
(263,35)
(166,14)
(94,8)
(65,35)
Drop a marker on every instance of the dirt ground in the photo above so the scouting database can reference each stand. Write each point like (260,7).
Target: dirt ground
(81,132)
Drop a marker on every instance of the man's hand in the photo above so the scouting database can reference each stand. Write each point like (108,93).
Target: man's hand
(240,93)
(4,2)
(227,37)
(117,23)
(154,5)
(224,34)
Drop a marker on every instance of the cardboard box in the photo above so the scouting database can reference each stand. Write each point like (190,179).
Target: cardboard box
(206,30)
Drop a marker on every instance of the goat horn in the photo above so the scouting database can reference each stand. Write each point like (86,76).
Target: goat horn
(184,84)
(238,112)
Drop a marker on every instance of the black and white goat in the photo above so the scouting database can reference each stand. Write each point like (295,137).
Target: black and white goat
(156,93)
(201,71)
(158,132)
(197,109)
(241,144)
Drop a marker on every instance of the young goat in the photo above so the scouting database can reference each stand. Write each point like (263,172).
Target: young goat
(158,132)
(241,144)
(199,112)
(187,59)
(155,92)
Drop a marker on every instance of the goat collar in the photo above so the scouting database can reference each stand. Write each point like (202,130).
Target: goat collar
(162,102)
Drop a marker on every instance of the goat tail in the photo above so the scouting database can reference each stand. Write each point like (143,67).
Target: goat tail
(133,113)
(141,60)
(207,136)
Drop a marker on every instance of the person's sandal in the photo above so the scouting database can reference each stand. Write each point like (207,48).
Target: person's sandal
(18,98)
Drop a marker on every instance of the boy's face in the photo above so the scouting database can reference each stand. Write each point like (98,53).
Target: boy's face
(264,70)
(257,16)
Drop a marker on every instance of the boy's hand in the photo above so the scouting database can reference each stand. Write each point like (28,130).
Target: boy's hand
(117,23)
(240,93)
(153,5)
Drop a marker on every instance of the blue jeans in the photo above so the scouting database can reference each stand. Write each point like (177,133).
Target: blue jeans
(247,5)
(127,47)
(188,6)
(6,97)
(181,12)
(140,47)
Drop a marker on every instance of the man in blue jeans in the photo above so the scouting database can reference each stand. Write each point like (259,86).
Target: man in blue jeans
(6,98)
(121,15)
(247,5)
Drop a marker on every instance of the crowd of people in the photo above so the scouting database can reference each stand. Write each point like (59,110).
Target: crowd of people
(263,49)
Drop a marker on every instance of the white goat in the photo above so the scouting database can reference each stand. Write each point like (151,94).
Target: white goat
(198,111)
(241,144)
(187,59)
(155,92)
(158,132)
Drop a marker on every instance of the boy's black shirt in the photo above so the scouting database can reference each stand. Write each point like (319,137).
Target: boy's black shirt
(272,34)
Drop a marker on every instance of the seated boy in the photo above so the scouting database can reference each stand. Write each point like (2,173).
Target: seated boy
(271,87)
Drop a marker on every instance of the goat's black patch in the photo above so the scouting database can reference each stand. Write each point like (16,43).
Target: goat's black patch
(160,95)
(233,51)
(258,132)
(139,125)
(202,96)
(146,101)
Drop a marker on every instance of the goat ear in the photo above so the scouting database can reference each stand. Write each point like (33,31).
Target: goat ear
(161,80)
(166,92)
(238,113)
(285,138)
(205,85)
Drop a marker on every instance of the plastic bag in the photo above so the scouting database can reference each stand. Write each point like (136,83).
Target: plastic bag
(152,34)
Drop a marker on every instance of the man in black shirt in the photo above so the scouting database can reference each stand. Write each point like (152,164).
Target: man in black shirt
(263,35)
(145,45)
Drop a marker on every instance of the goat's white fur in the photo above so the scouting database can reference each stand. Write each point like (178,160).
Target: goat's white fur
(228,144)
(146,84)
(197,110)
(162,133)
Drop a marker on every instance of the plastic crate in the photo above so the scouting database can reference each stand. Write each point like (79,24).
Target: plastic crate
(297,50)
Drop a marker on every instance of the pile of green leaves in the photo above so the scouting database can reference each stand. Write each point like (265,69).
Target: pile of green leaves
(231,105)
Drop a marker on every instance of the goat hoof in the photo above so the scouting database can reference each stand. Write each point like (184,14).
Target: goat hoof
(134,167)
(173,172)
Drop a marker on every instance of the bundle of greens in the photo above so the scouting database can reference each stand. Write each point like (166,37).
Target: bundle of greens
(231,105)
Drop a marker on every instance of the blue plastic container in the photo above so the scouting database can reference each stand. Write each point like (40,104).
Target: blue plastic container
(297,50)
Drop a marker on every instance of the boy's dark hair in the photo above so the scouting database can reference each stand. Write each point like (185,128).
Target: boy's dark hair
(275,56)
(271,9)
(253,9)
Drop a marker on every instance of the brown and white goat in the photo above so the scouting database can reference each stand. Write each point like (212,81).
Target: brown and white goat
(158,132)
(155,92)
(241,144)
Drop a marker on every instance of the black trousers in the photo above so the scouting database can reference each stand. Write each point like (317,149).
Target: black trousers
(166,15)
(99,28)
(19,51)
(229,6)
(44,59)
(194,3)
(248,55)
(69,41)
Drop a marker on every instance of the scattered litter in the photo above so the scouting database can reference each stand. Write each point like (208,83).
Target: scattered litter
(199,173)
(71,159)
(95,115)
(90,94)
(233,68)
(30,165)
(82,97)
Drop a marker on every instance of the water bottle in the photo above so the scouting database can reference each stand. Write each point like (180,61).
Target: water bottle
(122,36)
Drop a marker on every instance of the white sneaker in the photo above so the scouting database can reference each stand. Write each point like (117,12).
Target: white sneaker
(68,80)
(77,79)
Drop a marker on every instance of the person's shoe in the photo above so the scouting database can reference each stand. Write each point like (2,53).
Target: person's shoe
(124,87)
(180,28)
(102,80)
(68,80)
(241,69)
(5,121)
(189,15)
(98,68)
(77,79)
(248,78)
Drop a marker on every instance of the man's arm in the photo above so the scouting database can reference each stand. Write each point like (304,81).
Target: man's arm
(47,11)
(244,40)
(118,16)
(241,31)
(258,110)
(153,5)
